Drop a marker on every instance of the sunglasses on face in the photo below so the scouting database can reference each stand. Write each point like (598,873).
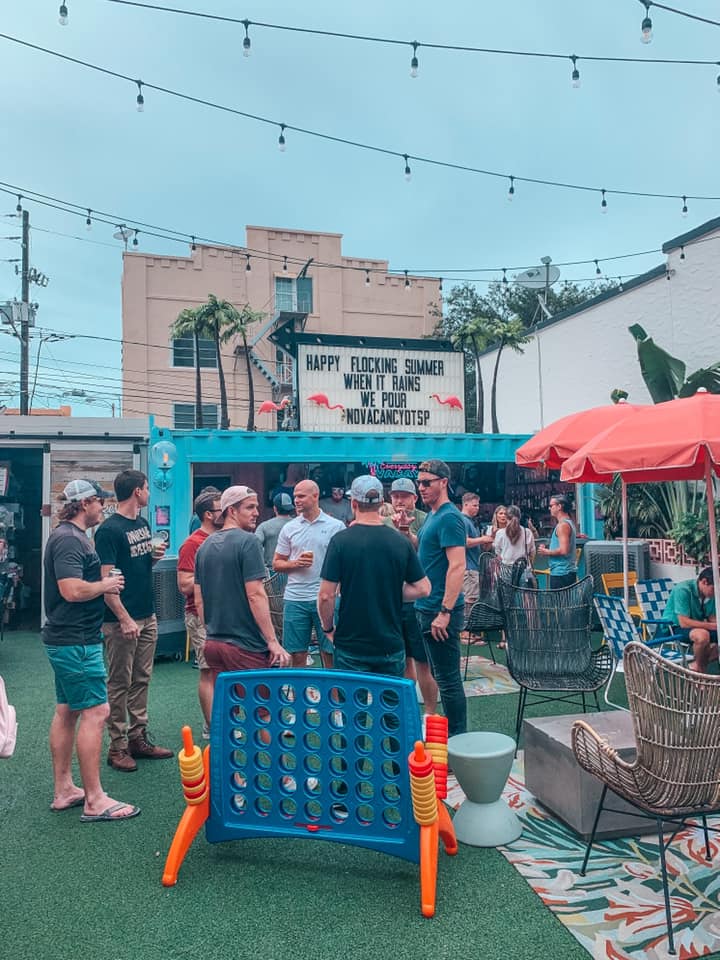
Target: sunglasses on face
(426,483)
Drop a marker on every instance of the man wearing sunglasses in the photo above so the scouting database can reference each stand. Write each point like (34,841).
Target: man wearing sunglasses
(441,551)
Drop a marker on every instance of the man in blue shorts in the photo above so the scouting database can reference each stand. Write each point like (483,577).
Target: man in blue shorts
(74,595)
(441,551)
(301,548)
(691,606)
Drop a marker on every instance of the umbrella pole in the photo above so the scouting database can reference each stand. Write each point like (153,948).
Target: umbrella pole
(626,590)
(710,497)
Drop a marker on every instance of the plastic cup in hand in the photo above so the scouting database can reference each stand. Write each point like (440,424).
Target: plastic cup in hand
(159,543)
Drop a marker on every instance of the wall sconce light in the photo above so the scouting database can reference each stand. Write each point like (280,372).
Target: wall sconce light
(164,456)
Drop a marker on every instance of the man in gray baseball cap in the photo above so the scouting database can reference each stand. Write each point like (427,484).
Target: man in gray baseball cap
(376,570)
(84,489)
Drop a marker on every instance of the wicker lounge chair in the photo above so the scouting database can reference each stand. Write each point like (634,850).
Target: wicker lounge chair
(676,774)
(486,613)
(275,590)
(549,648)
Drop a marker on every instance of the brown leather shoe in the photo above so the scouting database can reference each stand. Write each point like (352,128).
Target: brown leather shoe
(121,760)
(143,747)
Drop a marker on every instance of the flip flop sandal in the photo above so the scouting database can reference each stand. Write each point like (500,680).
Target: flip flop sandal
(107,815)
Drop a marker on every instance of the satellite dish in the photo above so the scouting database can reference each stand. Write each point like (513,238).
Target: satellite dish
(123,233)
(538,277)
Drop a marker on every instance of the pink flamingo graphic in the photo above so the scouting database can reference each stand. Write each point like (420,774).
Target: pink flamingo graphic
(321,400)
(451,401)
(267,406)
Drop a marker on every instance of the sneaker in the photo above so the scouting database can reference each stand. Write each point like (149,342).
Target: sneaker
(121,760)
(143,747)
(206,731)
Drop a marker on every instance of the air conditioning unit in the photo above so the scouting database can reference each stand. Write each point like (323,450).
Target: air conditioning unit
(606,556)
(170,609)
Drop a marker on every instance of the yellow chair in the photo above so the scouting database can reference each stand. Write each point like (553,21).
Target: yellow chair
(613,585)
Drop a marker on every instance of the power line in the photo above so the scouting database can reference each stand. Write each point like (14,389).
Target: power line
(513,179)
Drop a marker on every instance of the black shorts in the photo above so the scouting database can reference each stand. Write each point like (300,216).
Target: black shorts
(412,635)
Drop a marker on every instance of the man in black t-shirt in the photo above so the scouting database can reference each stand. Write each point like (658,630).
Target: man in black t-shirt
(130,627)
(376,571)
(74,607)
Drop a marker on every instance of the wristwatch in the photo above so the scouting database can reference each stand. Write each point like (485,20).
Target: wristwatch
(445,609)
(328,630)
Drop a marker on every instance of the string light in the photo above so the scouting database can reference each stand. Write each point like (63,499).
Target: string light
(281,139)
(135,238)
(684,211)
(511,190)
(621,288)
(603,203)
(246,40)
(284,264)
(575,76)
(646,27)
(407,280)
(63,14)
(717,82)
(682,252)
(504,276)
(598,271)
(193,246)
(367,278)
(18,206)
(88,220)
(408,172)
(414,62)
(440,288)
(140,99)
(248,268)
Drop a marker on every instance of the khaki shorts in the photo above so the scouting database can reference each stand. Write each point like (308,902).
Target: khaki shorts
(196,632)
(471,586)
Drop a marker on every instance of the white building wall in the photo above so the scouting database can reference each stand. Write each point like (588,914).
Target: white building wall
(585,356)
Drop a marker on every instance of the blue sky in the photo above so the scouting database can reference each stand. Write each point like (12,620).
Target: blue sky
(74,134)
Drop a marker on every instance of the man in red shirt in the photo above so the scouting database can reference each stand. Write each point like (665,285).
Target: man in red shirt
(207,509)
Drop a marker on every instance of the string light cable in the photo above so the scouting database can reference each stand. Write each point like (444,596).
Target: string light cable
(374,148)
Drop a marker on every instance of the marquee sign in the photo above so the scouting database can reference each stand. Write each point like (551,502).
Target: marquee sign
(388,389)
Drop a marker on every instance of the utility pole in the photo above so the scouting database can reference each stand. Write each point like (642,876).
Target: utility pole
(25,317)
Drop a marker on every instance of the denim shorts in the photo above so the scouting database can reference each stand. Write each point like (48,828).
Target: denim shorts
(79,674)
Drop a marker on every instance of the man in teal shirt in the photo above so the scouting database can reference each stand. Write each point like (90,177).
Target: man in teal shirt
(691,606)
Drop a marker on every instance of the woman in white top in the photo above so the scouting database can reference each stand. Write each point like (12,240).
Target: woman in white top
(514,542)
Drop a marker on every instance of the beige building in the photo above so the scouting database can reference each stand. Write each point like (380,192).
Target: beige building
(290,276)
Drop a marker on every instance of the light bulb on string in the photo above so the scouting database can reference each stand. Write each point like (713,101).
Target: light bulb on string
(646,26)
(408,172)
(88,220)
(135,238)
(440,285)
(18,206)
(246,40)
(140,99)
(281,139)
(193,246)
(248,268)
(684,211)
(575,76)
(603,203)
(407,280)
(367,278)
(63,14)
(284,264)
(682,252)
(511,190)
(598,271)
(717,82)
(621,288)
(504,276)
(414,61)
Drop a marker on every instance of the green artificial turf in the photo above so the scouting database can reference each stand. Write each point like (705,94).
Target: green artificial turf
(92,891)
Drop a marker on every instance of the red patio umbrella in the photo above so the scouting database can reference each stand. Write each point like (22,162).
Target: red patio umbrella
(552,445)
(677,440)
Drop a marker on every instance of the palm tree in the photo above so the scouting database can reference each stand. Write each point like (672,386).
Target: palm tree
(473,337)
(237,324)
(213,316)
(190,323)
(505,332)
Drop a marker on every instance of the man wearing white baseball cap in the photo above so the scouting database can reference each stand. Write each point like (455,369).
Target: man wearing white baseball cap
(376,571)
(229,593)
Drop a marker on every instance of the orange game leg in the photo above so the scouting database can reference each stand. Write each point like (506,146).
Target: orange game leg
(192,819)
(428,868)
(447,831)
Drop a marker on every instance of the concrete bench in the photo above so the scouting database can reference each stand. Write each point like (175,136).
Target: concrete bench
(554,778)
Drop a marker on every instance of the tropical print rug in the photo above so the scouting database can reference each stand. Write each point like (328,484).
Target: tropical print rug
(485,678)
(616,911)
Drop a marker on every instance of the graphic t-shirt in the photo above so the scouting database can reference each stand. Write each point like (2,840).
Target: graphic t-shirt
(126,545)
(443,528)
(223,565)
(70,554)
(186,563)
(370,563)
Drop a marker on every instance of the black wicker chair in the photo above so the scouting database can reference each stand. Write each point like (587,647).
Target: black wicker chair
(275,590)
(549,649)
(486,613)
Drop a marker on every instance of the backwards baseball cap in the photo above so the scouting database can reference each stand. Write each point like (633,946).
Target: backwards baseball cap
(403,485)
(437,467)
(367,489)
(283,503)
(84,489)
(234,495)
